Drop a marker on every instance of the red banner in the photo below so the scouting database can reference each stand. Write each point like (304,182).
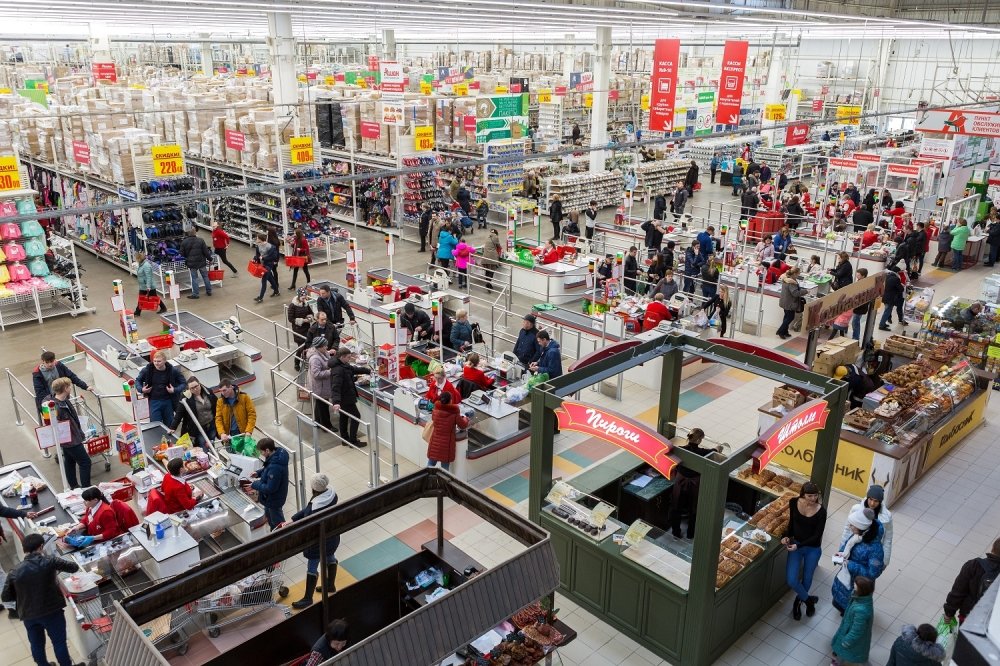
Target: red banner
(734,65)
(81,152)
(663,93)
(370,130)
(104,71)
(236,140)
(805,419)
(796,134)
(636,438)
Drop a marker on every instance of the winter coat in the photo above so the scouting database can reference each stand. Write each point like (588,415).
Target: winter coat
(910,650)
(884,517)
(791,292)
(527,349)
(343,390)
(195,251)
(463,255)
(272,480)
(318,377)
(461,334)
(965,590)
(866,559)
(299,311)
(446,245)
(550,360)
(893,294)
(442,445)
(693,262)
(324,500)
(144,273)
(853,640)
(492,250)
(42,387)
(33,585)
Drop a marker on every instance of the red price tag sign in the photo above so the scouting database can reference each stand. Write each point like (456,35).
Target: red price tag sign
(301,149)
(168,160)
(423,137)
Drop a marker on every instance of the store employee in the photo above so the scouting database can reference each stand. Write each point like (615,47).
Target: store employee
(417,322)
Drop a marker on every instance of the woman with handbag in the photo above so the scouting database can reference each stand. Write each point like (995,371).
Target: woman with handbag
(300,248)
(445,418)
(792,300)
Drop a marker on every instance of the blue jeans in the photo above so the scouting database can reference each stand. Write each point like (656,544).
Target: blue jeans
(806,559)
(956,259)
(445,466)
(162,411)
(275,516)
(195,272)
(55,625)
(856,326)
(73,457)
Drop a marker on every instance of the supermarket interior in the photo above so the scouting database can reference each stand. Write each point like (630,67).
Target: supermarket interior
(604,333)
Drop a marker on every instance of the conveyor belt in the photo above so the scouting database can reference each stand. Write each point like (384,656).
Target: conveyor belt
(97,340)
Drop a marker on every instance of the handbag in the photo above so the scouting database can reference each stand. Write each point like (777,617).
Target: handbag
(428,432)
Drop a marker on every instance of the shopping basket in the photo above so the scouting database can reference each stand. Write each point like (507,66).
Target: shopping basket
(149,302)
(256,269)
(161,341)
(296,262)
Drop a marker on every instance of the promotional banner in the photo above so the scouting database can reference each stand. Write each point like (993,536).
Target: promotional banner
(663,92)
(734,64)
(235,140)
(104,71)
(796,134)
(81,152)
(956,121)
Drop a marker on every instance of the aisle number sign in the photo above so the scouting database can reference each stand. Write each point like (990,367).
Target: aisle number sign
(545,96)
(301,149)
(774,112)
(849,115)
(168,160)
(10,173)
(423,137)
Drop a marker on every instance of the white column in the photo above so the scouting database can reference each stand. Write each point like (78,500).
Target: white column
(388,45)
(569,53)
(599,110)
(282,44)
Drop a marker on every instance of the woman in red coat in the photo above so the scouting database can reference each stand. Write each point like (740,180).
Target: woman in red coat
(99,520)
(300,248)
(178,495)
(446,418)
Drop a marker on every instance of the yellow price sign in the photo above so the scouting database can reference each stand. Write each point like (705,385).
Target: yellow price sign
(461,89)
(423,137)
(168,160)
(644,102)
(10,173)
(425,88)
(774,112)
(588,100)
(301,148)
(501,90)
(545,96)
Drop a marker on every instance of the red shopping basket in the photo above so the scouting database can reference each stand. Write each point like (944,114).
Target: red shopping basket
(255,269)
(149,302)
(216,275)
(296,262)
(161,341)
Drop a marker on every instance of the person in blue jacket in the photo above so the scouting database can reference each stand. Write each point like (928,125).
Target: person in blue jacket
(272,481)
(550,361)
(526,348)
(446,246)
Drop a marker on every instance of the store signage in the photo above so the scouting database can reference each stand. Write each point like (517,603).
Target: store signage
(796,134)
(666,56)
(301,149)
(10,173)
(236,140)
(423,137)
(817,105)
(819,311)
(957,121)
(392,113)
(81,152)
(734,63)
(636,438)
(370,130)
(907,170)
(841,163)
(545,96)
(104,71)
(868,157)
(805,419)
(774,112)
(849,115)
(393,81)
(168,160)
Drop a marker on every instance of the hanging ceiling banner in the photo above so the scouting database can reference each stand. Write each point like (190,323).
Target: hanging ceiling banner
(663,92)
(957,121)
(734,65)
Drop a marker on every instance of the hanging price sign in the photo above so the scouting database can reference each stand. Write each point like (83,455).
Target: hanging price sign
(301,149)
(423,137)
(10,174)
(168,160)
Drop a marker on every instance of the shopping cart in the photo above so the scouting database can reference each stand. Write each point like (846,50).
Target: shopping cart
(253,594)
(96,432)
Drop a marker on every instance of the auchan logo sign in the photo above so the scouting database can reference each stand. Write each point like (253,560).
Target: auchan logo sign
(636,438)
(807,418)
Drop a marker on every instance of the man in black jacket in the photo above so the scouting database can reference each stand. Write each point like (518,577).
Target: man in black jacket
(971,582)
(417,322)
(344,394)
(196,257)
(47,372)
(526,349)
(334,305)
(34,587)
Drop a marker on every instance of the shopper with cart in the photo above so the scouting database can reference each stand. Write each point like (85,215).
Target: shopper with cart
(323,497)
(272,481)
(47,372)
(162,384)
(33,585)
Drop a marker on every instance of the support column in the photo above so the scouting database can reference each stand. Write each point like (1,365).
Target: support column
(388,45)
(599,110)
(282,46)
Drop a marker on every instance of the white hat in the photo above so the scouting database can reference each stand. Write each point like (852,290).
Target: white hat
(861,518)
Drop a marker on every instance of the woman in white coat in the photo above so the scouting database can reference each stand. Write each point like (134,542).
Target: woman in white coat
(875,500)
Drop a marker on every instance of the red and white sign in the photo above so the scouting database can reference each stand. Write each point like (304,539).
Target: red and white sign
(663,93)
(903,170)
(817,105)
(372,63)
(370,130)
(808,418)
(734,64)
(81,152)
(868,157)
(236,140)
(841,163)
(560,91)
(104,71)
(393,81)
(469,123)
(636,438)
(796,134)
(956,121)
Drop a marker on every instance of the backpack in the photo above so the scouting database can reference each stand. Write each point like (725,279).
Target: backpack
(990,572)
(124,515)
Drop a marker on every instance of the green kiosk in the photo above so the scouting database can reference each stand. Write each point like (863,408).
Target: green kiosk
(686,600)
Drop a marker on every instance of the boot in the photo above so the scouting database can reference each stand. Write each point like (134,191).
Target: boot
(796,609)
(811,606)
(331,575)
(307,598)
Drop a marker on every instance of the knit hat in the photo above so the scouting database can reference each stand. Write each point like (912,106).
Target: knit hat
(861,518)
(319,482)
(319,341)
(877,493)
